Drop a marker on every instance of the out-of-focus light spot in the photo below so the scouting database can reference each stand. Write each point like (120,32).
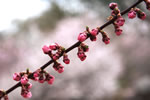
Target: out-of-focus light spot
(19,9)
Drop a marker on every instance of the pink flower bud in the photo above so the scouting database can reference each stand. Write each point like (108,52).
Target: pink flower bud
(56,56)
(81,54)
(46,49)
(54,46)
(131,14)
(83,58)
(24,79)
(141,15)
(50,79)
(16,76)
(82,36)
(41,78)
(113,5)
(120,21)
(94,32)
(106,40)
(26,94)
(36,73)
(93,38)
(84,47)
(60,69)
(66,61)
(118,31)
(28,86)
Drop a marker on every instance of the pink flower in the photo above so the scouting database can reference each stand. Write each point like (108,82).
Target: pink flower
(16,76)
(50,79)
(46,49)
(94,32)
(120,21)
(56,56)
(60,69)
(93,38)
(41,78)
(142,15)
(118,31)
(106,40)
(54,46)
(131,14)
(66,60)
(24,79)
(36,73)
(35,78)
(81,55)
(82,36)
(113,5)
(83,58)
(29,86)
(26,94)
(84,47)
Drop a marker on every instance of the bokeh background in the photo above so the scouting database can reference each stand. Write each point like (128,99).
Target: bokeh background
(118,71)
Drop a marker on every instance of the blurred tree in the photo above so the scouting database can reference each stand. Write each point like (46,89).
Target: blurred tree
(45,22)
(49,18)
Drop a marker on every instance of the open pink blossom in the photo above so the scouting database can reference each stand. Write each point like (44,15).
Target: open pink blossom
(16,76)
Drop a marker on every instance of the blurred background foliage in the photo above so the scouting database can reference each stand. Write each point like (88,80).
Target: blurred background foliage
(119,71)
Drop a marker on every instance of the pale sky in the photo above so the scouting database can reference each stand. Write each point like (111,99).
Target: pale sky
(19,9)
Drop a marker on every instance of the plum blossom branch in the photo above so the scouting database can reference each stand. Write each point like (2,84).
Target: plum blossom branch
(116,19)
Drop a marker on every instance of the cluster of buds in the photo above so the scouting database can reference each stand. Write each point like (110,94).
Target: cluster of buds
(41,76)
(59,51)
(26,86)
(93,33)
(120,20)
(58,67)
(53,47)
(4,95)
(105,38)
(147,2)
(81,51)
(136,11)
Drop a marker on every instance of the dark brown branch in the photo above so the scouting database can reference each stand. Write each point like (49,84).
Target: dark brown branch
(77,44)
